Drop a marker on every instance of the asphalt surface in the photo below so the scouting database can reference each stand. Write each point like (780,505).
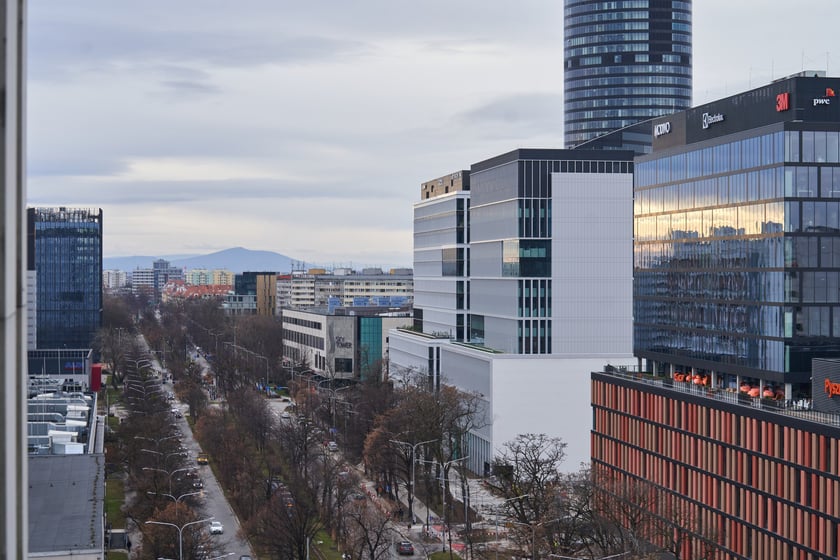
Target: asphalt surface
(213,500)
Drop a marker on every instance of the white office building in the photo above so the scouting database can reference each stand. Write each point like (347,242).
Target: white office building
(523,286)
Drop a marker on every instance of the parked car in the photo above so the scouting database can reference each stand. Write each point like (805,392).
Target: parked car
(332,446)
(405,548)
(216,528)
(198,484)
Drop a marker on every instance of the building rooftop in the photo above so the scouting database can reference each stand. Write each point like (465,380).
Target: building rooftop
(66,503)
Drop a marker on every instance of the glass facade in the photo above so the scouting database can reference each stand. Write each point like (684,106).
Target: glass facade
(625,61)
(65,249)
(737,253)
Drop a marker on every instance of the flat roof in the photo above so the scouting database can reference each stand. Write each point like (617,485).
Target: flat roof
(66,503)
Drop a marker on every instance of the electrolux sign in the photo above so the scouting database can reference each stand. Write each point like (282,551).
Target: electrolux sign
(711,118)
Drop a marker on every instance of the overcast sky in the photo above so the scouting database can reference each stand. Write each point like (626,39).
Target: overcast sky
(306,128)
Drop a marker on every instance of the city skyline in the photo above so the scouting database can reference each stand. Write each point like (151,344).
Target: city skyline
(308,131)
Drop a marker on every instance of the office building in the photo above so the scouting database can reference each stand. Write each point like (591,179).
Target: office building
(254,293)
(522,282)
(734,419)
(13,296)
(65,251)
(344,343)
(624,62)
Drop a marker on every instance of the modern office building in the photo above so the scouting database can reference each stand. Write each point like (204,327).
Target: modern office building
(523,282)
(13,271)
(65,251)
(624,62)
(261,285)
(736,301)
(346,343)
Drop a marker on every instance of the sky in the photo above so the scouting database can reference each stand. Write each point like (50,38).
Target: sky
(306,128)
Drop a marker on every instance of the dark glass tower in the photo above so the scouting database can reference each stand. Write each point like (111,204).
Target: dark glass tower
(65,250)
(625,61)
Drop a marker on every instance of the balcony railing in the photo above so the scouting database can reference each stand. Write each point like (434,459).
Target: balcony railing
(793,408)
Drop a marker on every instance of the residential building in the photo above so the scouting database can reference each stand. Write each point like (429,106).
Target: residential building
(303,291)
(114,280)
(143,281)
(151,281)
(347,343)
(65,248)
(204,277)
(523,282)
(14,476)
(624,62)
(734,420)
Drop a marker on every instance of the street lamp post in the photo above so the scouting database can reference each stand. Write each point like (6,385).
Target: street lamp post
(176,500)
(167,473)
(533,528)
(413,462)
(180,529)
(446,527)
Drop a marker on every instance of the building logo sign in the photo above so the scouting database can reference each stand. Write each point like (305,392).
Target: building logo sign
(711,118)
(825,99)
(782,102)
(341,343)
(661,129)
(832,389)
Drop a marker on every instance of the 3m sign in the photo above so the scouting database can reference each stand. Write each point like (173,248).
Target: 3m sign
(782,102)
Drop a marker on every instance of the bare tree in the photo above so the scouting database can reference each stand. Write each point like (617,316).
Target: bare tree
(368,532)
(284,527)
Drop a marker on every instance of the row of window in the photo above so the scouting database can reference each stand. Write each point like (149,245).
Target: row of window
(292,320)
(572,22)
(711,346)
(681,93)
(628,80)
(573,30)
(582,6)
(605,38)
(768,149)
(628,69)
(303,339)
(640,113)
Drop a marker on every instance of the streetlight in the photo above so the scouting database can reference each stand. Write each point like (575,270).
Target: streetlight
(533,528)
(413,462)
(180,531)
(176,500)
(168,473)
(443,499)
(165,456)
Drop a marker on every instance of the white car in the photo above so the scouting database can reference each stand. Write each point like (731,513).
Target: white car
(216,528)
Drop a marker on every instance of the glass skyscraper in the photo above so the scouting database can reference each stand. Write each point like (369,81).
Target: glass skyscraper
(65,251)
(625,61)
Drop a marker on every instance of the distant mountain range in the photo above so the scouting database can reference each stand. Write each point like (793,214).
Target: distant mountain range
(237,259)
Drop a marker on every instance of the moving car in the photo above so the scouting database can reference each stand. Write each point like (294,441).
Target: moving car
(216,528)
(405,548)
(202,459)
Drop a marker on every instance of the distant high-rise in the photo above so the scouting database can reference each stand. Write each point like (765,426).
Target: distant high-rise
(65,251)
(625,61)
